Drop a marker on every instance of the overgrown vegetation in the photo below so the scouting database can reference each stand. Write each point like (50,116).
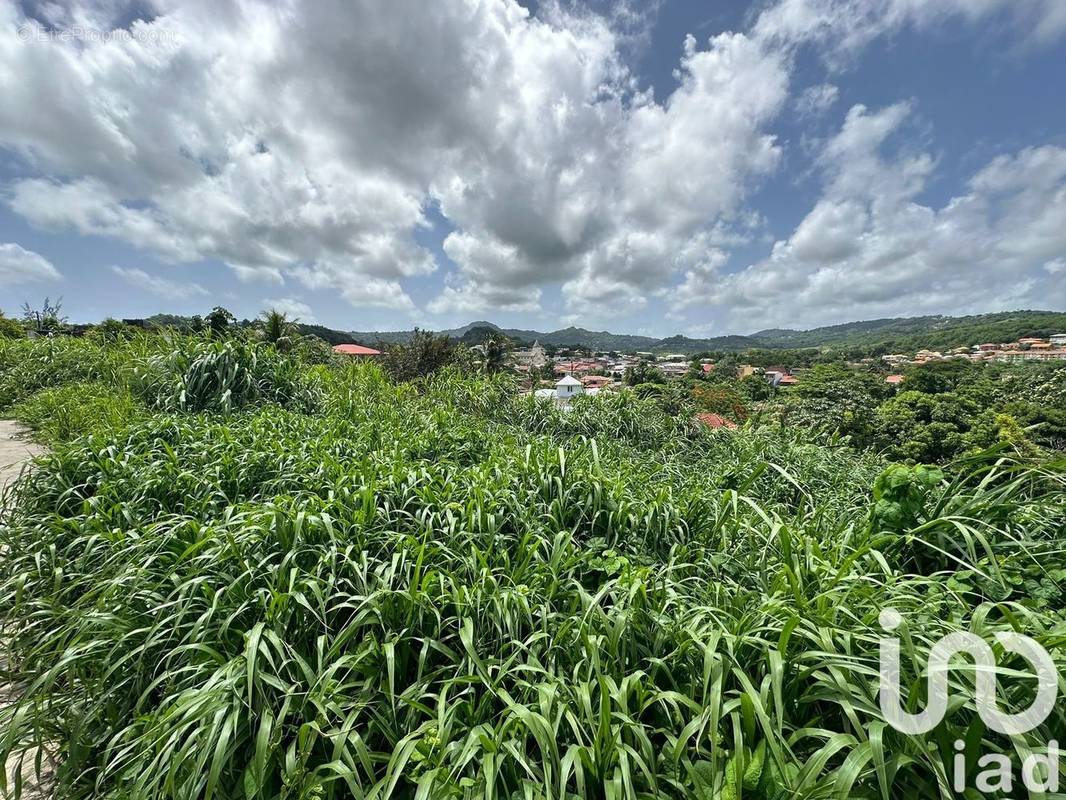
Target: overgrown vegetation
(238,574)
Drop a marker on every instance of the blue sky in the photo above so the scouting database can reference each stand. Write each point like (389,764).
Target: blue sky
(691,167)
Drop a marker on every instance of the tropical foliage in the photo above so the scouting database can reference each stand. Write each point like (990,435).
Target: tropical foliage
(240,575)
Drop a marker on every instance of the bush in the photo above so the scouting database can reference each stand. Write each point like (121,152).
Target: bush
(66,412)
(11,328)
(28,365)
(208,375)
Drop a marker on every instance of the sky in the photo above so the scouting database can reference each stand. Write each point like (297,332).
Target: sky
(684,166)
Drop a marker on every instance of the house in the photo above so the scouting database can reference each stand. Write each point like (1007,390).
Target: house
(1030,355)
(575,367)
(673,369)
(707,368)
(988,347)
(928,355)
(774,375)
(568,387)
(716,421)
(596,381)
(788,380)
(895,380)
(1058,339)
(356,350)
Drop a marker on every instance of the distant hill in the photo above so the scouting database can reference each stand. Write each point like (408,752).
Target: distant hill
(908,333)
(904,334)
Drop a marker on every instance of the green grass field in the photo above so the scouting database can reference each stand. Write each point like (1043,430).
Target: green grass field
(238,576)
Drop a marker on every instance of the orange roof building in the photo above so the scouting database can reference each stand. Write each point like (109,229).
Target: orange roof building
(355,350)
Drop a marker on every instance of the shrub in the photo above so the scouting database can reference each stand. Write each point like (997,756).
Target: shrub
(27,365)
(63,413)
(208,375)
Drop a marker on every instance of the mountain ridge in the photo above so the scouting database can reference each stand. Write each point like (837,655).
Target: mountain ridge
(903,332)
(874,336)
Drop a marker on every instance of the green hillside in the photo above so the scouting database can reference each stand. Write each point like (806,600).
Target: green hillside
(876,336)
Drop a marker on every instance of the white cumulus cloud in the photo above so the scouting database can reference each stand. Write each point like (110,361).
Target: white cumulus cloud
(156,284)
(19,265)
(292,307)
(302,143)
(870,248)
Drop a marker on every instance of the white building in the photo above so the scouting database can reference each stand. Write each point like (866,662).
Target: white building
(1058,340)
(568,387)
(533,357)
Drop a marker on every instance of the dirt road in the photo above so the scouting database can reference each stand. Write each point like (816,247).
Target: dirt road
(15,450)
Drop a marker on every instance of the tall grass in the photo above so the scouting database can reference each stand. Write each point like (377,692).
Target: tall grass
(437,590)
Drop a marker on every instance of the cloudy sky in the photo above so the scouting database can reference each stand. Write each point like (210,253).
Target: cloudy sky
(692,166)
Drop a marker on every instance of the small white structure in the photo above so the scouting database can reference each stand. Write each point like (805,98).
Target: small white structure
(1058,340)
(567,387)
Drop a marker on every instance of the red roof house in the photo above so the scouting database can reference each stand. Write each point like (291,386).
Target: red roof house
(895,380)
(355,350)
(597,380)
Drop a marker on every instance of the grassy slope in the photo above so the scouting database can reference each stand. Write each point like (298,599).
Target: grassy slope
(439,590)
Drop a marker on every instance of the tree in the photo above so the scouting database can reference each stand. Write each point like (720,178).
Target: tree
(219,321)
(10,328)
(47,320)
(112,330)
(725,368)
(642,372)
(834,399)
(278,329)
(932,428)
(756,388)
(720,398)
(939,376)
(546,372)
(421,355)
(496,348)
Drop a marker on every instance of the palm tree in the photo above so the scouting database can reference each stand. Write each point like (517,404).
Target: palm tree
(495,354)
(278,329)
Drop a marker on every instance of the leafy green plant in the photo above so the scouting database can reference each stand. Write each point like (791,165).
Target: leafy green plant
(66,412)
(209,375)
(439,589)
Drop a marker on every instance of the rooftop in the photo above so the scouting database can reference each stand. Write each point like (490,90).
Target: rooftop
(355,350)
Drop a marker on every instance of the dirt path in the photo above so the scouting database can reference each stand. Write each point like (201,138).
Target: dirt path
(15,450)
